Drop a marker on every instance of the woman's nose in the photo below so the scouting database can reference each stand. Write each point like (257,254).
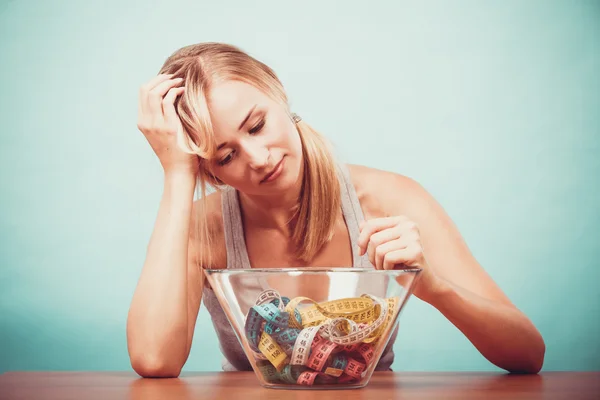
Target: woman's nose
(258,155)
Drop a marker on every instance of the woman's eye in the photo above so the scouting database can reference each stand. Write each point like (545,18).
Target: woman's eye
(226,160)
(258,127)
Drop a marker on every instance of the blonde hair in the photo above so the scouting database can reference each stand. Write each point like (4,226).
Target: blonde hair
(201,66)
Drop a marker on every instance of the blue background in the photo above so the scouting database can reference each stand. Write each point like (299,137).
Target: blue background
(493,106)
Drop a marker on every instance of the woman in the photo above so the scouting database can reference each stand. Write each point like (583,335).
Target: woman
(215,115)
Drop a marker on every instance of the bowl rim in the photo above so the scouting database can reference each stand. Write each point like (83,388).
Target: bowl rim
(312,270)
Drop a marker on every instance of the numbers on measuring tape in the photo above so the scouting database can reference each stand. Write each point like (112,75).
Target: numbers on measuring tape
(300,341)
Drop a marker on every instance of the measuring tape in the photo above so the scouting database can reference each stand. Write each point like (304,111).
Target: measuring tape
(321,343)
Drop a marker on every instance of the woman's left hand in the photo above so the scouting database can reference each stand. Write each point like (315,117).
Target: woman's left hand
(396,240)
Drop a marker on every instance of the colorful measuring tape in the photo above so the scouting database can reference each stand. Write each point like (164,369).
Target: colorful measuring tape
(320,343)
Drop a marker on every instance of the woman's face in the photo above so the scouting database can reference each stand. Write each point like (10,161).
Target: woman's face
(255,138)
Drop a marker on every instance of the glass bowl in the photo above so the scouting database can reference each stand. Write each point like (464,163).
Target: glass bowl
(313,328)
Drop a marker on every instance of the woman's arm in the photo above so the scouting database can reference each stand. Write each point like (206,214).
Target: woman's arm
(502,333)
(160,316)
(453,281)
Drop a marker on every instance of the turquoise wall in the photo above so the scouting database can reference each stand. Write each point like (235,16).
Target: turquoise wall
(493,106)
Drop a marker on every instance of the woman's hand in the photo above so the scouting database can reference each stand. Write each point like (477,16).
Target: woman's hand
(159,122)
(395,241)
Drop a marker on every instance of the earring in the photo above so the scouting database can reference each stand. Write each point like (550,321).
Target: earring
(296,118)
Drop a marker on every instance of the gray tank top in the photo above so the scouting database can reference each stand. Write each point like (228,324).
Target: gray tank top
(237,257)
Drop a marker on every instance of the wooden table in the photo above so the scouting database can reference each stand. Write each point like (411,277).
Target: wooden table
(244,385)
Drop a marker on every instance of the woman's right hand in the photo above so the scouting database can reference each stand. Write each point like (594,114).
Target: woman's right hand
(159,122)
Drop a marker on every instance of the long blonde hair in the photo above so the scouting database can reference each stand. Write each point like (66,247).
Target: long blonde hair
(201,66)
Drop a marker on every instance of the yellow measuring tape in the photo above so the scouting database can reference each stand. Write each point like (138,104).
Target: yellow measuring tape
(300,341)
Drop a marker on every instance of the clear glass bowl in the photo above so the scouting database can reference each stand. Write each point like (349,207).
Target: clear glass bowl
(313,328)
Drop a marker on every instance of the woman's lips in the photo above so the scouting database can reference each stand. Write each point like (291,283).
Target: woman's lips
(275,173)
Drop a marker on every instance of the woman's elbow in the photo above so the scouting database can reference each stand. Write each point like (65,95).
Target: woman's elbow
(538,358)
(154,367)
(533,361)
(539,353)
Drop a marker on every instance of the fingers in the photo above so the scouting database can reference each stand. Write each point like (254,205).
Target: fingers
(377,254)
(379,238)
(406,256)
(147,87)
(375,225)
(386,241)
(151,84)
(155,97)
(168,104)
(153,103)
